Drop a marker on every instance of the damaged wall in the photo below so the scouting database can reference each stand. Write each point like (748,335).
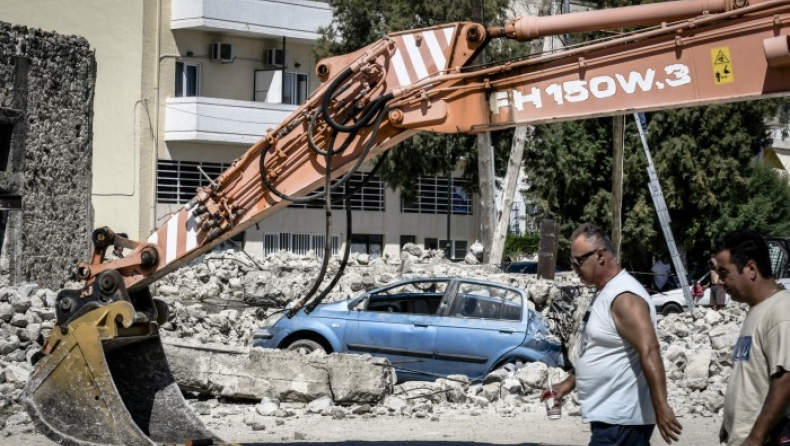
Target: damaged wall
(46,112)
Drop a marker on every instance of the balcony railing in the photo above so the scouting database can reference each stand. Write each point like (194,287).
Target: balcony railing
(295,19)
(211,120)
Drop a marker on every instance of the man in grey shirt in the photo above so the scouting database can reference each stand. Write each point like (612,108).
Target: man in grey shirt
(619,374)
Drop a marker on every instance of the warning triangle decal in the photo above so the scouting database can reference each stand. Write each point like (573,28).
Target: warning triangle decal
(721,59)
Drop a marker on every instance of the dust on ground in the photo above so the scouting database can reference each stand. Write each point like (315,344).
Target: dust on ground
(452,427)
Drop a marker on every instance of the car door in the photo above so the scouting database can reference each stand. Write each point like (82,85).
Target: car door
(397,323)
(483,323)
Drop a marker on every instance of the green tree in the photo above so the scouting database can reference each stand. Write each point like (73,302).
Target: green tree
(704,160)
(766,206)
(521,244)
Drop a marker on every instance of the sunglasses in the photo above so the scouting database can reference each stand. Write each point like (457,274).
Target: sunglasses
(577,261)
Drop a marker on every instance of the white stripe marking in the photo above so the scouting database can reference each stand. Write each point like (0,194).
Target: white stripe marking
(153,238)
(192,228)
(415,57)
(448,33)
(436,49)
(400,68)
(172,238)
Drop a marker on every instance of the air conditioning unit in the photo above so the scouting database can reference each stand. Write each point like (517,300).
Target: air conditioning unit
(274,56)
(222,52)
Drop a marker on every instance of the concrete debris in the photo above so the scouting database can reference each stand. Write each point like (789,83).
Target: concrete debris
(218,301)
(252,373)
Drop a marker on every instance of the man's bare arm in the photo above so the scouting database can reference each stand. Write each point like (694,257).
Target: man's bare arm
(631,316)
(773,410)
(564,387)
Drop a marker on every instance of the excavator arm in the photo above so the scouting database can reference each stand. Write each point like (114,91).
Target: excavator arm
(698,52)
(688,52)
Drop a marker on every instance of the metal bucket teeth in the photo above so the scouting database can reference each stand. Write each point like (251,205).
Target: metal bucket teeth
(99,388)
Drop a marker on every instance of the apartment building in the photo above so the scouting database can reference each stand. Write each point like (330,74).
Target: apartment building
(184,87)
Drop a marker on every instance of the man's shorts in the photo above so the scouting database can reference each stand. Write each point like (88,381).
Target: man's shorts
(604,434)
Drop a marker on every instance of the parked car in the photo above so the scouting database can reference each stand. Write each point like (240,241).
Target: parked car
(523,267)
(673,301)
(528,267)
(427,328)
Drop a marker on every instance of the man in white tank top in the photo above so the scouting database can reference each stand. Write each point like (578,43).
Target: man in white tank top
(619,374)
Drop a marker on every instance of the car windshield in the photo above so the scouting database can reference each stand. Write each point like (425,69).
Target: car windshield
(416,297)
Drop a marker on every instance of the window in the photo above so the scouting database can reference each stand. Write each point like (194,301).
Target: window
(371,244)
(295,88)
(413,297)
(8,203)
(431,197)
(457,248)
(187,79)
(407,239)
(431,243)
(298,243)
(177,181)
(3,225)
(482,301)
(6,131)
(369,198)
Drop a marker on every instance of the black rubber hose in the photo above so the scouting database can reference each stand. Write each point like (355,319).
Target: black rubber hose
(377,106)
(343,263)
(314,146)
(346,252)
(343,179)
(328,236)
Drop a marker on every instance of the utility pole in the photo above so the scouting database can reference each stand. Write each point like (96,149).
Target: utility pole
(617,182)
(485,168)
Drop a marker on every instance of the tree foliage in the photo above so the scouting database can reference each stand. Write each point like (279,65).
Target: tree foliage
(704,159)
(521,244)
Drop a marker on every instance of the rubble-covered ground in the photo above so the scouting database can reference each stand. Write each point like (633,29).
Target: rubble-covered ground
(224,296)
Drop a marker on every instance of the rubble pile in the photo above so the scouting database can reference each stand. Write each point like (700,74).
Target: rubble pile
(224,297)
(281,277)
(27,315)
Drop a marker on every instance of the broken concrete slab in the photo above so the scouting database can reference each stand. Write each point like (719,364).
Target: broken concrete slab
(255,373)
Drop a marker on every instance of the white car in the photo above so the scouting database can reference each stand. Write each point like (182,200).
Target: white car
(673,301)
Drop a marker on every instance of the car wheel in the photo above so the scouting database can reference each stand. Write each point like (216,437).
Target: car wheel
(306,347)
(671,308)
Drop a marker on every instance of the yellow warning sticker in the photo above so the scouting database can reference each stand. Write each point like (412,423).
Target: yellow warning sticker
(722,65)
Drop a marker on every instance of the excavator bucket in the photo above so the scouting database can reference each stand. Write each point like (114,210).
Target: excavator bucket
(107,381)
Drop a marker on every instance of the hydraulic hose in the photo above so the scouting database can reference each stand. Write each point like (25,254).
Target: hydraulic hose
(376,107)
(343,179)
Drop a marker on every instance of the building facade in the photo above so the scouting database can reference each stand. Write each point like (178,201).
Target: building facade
(185,87)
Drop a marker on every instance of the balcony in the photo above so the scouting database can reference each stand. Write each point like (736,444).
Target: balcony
(211,120)
(294,19)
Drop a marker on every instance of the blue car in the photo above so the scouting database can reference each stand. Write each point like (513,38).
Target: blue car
(427,328)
